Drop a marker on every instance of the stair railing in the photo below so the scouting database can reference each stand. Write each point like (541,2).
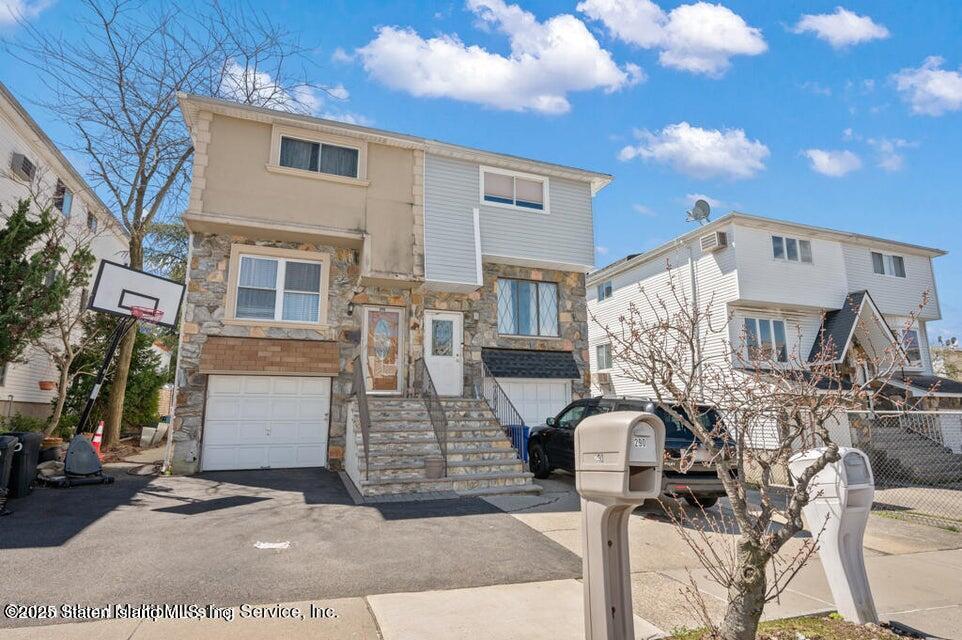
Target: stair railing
(364,417)
(488,388)
(424,388)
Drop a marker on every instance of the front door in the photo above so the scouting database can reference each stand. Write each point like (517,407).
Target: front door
(383,335)
(443,346)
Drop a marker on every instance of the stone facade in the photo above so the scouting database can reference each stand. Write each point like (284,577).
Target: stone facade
(206,302)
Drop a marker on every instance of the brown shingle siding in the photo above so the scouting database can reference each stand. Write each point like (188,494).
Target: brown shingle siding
(267,355)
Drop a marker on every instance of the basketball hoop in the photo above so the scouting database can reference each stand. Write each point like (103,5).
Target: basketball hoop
(147,314)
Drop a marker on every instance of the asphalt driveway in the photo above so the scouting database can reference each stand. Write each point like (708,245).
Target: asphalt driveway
(192,540)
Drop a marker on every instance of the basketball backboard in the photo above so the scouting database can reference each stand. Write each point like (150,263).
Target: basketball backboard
(123,291)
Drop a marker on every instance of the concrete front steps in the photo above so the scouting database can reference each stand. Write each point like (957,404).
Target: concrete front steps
(481,460)
(902,455)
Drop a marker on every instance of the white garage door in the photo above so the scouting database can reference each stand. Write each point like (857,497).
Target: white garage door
(266,422)
(536,399)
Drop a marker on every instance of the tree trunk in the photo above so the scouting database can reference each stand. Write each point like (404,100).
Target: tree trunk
(118,387)
(63,385)
(746,597)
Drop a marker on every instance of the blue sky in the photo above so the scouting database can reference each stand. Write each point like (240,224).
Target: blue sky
(847,117)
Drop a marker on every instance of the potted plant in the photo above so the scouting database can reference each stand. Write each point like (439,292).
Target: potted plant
(47,385)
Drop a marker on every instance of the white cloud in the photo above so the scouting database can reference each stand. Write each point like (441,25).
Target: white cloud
(341,56)
(930,89)
(644,210)
(833,163)
(547,61)
(699,37)
(701,153)
(841,29)
(816,88)
(691,198)
(338,91)
(12,11)
(601,251)
(887,152)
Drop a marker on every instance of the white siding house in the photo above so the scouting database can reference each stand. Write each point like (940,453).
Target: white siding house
(767,270)
(22,138)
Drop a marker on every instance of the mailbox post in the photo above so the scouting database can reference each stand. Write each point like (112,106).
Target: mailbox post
(618,465)
(841,499)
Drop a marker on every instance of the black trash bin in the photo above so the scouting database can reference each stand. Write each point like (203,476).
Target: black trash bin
(7,445)
(25,462)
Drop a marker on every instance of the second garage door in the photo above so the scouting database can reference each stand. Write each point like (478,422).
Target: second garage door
(266,422)
(536,399)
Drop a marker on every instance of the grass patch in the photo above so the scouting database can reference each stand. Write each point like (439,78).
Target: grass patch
(808,627)
(920,517)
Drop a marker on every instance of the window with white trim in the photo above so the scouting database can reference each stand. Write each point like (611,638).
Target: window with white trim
(791,249)
(765,340)
(319,157)
(63,198)
(604,290)
(913,350)
(279,289)
(516,190)
(527,308)
(603,356)
(888,265)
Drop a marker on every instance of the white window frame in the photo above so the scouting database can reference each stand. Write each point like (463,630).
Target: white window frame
(604,291)
(514,174)
(605,348)
(274,163)
(888,260)
(798,244)
(913,364)
(66,200)
(278,254)
(772,343)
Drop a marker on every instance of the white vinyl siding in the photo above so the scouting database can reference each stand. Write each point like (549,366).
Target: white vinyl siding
(564,234)
(894,296)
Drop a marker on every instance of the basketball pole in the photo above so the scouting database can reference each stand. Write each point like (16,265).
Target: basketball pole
(123,326)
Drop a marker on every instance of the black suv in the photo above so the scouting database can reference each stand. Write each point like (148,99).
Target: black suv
(552,446)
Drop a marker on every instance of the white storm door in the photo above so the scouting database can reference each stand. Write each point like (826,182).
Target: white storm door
(443,347)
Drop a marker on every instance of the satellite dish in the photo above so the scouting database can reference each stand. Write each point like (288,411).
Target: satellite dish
(700,212)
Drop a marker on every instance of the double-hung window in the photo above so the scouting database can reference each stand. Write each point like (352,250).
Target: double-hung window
(63,198)
(319,157)
(278,289)
(888,265)
(791,249)
(603,356)
(604,290)
(913,352)
(765,339)
(517,190)
(527,308)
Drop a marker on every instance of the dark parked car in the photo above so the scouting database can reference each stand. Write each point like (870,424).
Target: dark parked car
(552,446)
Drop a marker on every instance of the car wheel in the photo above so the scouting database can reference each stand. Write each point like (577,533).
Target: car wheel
(701,502)
(538,461)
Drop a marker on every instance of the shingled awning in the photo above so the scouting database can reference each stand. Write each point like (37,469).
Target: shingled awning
(528,363)
(838,326)
(936,385)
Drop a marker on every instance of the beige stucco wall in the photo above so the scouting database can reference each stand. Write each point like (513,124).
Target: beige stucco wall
(238,183)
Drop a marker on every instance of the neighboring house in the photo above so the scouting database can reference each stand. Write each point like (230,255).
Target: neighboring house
(789,288)
(31,164)
(163,355)
(315,243)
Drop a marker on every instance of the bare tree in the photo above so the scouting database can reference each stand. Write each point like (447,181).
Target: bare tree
(769,403)
(114,79)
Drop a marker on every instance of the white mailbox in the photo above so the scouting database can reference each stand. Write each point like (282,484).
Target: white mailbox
(618,465)
(841,497)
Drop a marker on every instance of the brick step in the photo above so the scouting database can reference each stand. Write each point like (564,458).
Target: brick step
(450,483)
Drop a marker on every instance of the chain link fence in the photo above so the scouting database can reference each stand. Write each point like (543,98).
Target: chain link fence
(917,462)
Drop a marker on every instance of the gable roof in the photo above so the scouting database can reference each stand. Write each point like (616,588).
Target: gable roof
(529,363)
(838,327)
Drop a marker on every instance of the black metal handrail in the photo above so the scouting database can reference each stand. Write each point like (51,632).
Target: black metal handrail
(424,388)
(487,387)
(364,417)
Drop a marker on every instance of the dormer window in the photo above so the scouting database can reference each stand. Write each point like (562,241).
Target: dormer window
(513,189)
(791,249)
(320,157)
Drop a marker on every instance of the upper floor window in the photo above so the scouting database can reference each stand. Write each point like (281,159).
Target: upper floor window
(62,198)
(92,222)
(3,373)
(320,157)
(604,290)
(888,265)
(514,189)
(765,339)
(278,289)
(913,351)
(527,308)
(603,356)
(791,249)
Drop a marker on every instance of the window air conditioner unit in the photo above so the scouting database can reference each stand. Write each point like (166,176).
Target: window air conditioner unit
(22,167)
(714,241)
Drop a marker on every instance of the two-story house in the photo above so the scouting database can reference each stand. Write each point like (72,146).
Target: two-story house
(315,245)
(789,289)
(31,166)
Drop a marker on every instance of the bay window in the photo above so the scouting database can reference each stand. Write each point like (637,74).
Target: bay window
(765,339)
(278,289)
(527,308)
